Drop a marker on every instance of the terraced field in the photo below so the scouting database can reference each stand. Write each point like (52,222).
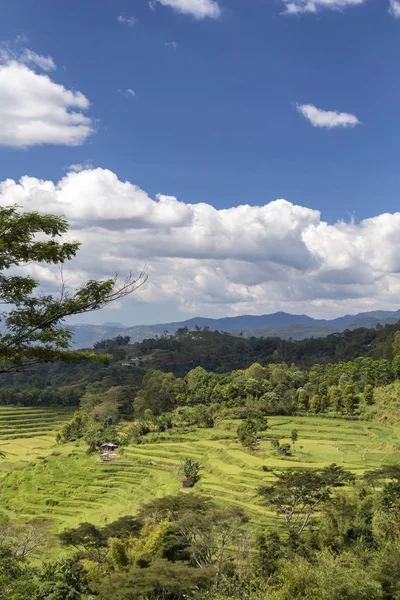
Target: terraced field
(27,422)
(68,486)
(26,433)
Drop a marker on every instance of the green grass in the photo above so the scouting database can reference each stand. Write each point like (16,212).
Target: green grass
(63,483)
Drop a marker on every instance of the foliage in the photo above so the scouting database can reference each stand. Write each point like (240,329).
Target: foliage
(191,470)
(89,540)
(185,546)
(74,429)
(159,393)
(32,326)
(331,578)
(296,495)
(162,580)
(61,580)
(247,433)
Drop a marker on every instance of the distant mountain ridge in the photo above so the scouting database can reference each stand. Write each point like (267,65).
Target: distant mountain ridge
(280,324)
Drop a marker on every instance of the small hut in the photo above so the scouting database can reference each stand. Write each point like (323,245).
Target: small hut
(108,451)
(110,448)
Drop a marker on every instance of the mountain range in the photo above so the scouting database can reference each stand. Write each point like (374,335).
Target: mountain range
(280,324)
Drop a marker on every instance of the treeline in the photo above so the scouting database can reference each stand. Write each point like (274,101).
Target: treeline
(220,354)
(62,384)
(339,539)
(109,345)
(38,397)
(273,389)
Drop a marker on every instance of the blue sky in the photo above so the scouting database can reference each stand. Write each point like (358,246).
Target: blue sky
(215,117)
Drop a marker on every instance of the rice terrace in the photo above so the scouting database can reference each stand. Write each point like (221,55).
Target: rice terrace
(62,482)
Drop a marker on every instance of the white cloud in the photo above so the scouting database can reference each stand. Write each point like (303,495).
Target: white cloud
(130,21)
(36,110)
(394,8)
(11,51)
(294,7)
(44,62)
(131,92)
(199,9)
(246,259)
(78,167)
(172,44)
(327,118)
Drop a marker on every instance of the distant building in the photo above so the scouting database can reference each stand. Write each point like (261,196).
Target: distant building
(135,361)
(110,448)
(108,452)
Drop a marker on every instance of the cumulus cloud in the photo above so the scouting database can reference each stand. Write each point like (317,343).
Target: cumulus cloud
(246,259)
(36,110)
(327,118)
(199,9)
(394,8)
(295,7)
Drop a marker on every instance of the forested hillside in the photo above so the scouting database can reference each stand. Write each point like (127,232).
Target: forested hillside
(217,352)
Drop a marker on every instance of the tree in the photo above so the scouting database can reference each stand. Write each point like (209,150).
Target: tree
(302,400)
(32,325)
(162,580)
(369,394)
(297,494)
(96,435)
(191,469)
(16,576)
(316,404)
(197,385)
(294,436)
(74,429)
(117,554)
(26,541)
(159,393)
(281,448)
(87,539)
(174,507)
(396,366)
(335,396)
(210,535)
(384,472)
(123,528)
(62,580)
(349,399)
(247,433)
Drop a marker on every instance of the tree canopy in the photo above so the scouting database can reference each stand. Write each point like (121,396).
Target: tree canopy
(296,495)
(30,326)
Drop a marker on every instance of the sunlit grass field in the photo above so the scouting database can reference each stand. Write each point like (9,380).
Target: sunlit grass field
(40,478)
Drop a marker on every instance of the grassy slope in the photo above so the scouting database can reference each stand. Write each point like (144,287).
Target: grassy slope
(26,433)
(37,472)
